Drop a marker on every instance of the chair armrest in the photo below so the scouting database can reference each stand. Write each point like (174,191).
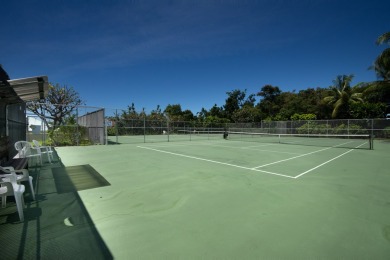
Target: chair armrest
(35,148)
(10,169)
(8,177)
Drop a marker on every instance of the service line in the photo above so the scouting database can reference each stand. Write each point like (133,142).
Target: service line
(217,162)
(249,148)
(295,157)
(322,164)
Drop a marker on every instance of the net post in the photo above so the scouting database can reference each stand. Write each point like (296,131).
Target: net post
(371,140)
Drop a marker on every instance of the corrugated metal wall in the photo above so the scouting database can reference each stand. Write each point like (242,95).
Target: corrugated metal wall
(16,124)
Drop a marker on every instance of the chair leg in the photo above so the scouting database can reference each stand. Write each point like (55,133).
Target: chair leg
(30,179)
(3,201)
(49,154)
(38,160)
(22,200)
(19,204)
(49,157)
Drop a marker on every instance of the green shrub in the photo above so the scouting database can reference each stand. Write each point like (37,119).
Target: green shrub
(111,131)
(313,128)
(68,135)
(386,132)
(303,117)
(344,129)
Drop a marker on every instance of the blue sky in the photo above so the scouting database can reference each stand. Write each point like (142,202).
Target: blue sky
(189,52)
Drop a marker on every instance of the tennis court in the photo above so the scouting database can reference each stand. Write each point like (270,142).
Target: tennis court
(213,198)
(238,199)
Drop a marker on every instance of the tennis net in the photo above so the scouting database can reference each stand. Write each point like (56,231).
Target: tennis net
(342,141)
(201,134)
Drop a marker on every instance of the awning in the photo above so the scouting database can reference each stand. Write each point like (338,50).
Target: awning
(26,89)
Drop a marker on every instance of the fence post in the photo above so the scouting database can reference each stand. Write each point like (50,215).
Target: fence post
(308,127)
(144,129)
(105,126)
(327,127)
(116,125)
(77,126)
(168,128)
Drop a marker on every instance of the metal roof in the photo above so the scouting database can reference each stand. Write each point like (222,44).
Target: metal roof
(24,90)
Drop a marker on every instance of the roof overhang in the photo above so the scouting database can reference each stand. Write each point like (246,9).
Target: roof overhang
(24,90)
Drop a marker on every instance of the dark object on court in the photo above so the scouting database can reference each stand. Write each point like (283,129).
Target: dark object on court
(225,135)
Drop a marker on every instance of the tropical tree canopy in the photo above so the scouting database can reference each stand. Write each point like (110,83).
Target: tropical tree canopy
(382,62)
(341,100)
(342,96)
(57,106)
(235,101)
(174,112)
(379,91)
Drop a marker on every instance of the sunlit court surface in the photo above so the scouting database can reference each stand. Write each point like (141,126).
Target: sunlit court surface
(215,198)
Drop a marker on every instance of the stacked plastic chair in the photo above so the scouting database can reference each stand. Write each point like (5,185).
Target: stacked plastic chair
(10,187)
(44,150)
(25,150)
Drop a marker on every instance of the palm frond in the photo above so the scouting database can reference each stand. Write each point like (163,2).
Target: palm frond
(337,106)
(357,98)
(384,38)
(329,100)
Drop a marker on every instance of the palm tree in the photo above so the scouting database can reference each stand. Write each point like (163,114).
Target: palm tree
(342,96)
(379,90)
(382,62)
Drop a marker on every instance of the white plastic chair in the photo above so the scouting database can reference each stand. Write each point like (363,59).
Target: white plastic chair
(9,187)
(25,149)
(24,176)
(44,150)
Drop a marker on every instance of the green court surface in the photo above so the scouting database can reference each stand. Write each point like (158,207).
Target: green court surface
(208,199)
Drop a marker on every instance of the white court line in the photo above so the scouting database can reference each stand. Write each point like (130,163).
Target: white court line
(254,169)
(212,161)
(306,154)
(249,148)
(322,164)
(217,145)
(170,145)
(291,158)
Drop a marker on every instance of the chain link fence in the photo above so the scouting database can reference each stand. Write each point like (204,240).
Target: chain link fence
(143,130)
(83,126)
(378,128)
(92,125)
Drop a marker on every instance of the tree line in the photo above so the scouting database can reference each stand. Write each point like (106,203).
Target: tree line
(340,101)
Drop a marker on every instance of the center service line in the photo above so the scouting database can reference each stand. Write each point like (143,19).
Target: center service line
(291,158)
(212,161)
